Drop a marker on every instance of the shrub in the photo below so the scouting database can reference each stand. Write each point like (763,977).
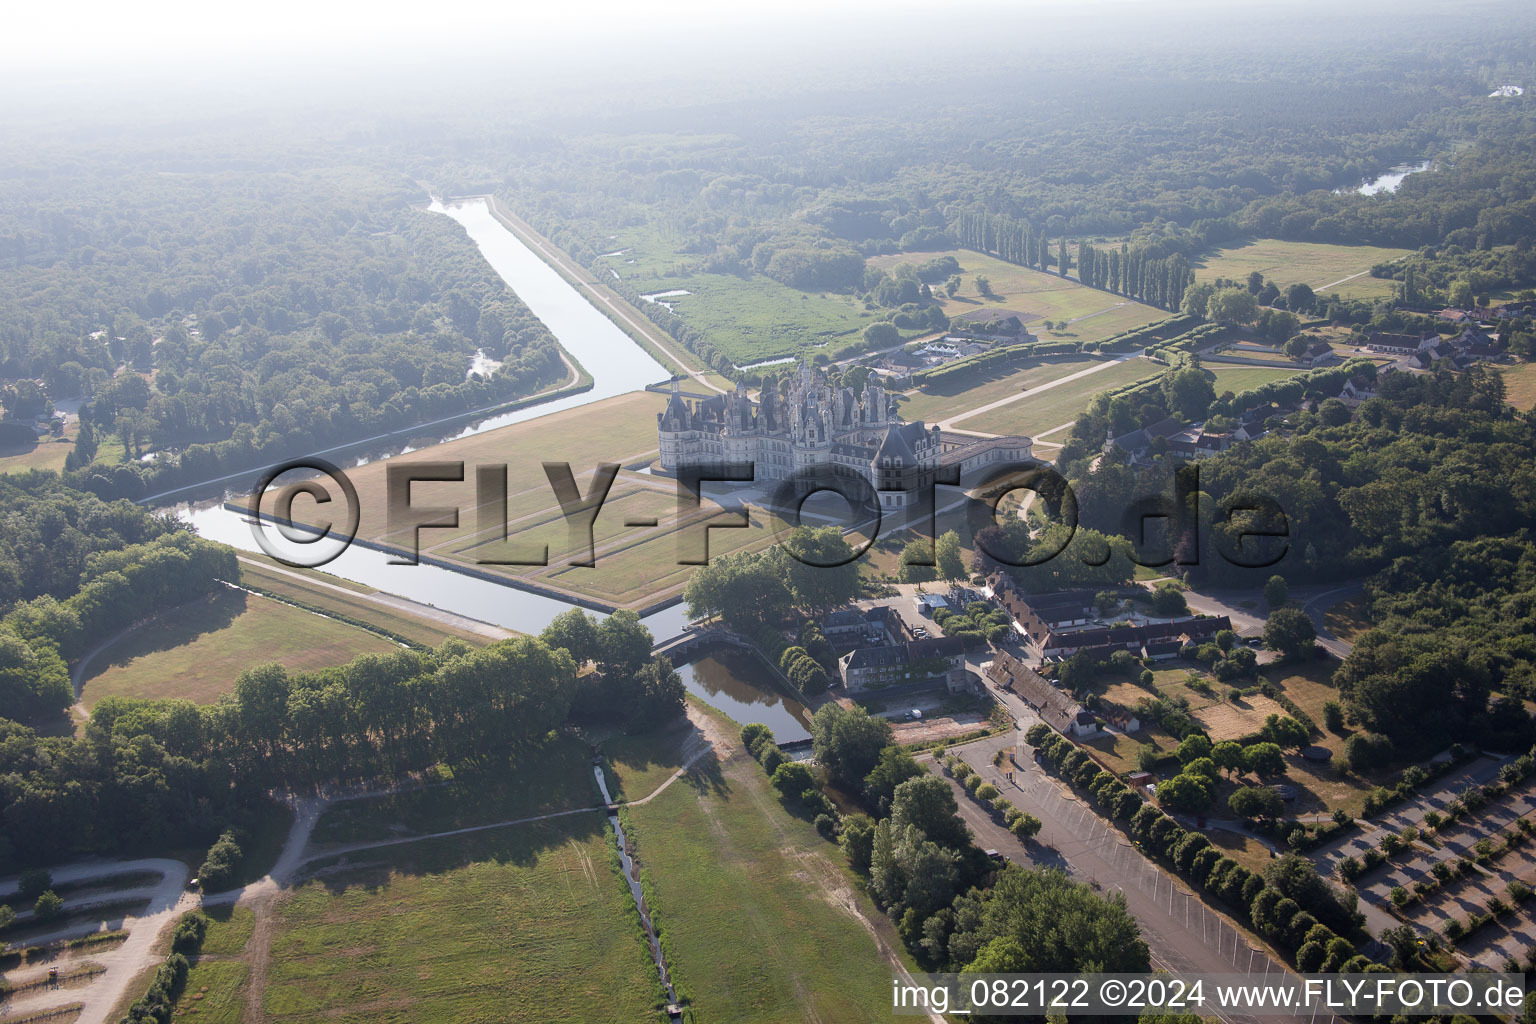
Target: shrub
(1026,827)
(826,826)
(219,867)
(1454,929)
(1399,896)
(972,783)
(986,791)
(191,929)
(48,906)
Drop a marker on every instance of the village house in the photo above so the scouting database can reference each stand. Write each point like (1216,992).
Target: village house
(1056,707)
(1401,344)
(1317,354)
(916,661)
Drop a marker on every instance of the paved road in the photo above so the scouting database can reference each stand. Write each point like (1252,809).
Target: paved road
(1184,934)
(1317,607)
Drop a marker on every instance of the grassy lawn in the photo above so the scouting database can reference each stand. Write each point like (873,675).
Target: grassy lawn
(755,907)
(1250,853)
(216,985)
(756,318)
(643,762)
(950,397)
(1312,263)
(554,777)
(1520,385)
(1033,414)
(419,630)
(1238,379)
(46,453)
(1030,291)
(529,923)
(1310,685)
(196,650)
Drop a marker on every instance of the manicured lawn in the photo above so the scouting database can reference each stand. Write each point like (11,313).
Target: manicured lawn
(1030,291)
(754,906)
(1062,404)
(1520,385)
(1312,263)
(555,777)
(936,402)
(1238,379)
(195,651)
(529,923)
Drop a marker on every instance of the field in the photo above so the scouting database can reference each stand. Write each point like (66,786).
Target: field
(757,911)
(1096,314)
(528,923)
(1238,379)
(1236,719)
(635,564)
(47,453)
(1322,786)
(216,985)
(932,403)
(195,651)
(1328,269)
(1035,414)
(749,318)
(1520,386)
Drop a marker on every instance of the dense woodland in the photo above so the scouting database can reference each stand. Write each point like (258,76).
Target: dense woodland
(225,320)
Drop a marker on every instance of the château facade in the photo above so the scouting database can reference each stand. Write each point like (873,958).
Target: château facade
(814,426)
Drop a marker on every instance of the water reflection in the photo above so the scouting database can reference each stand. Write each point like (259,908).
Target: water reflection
(739,684)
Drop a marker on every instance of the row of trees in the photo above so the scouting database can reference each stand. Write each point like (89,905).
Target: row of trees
(145,773)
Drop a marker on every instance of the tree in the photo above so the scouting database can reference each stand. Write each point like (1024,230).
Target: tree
(1297,346)
(1256,802)
(623,644)
(952,285)
(947,554)
(983,286)
(1228,756)
(881,334)
(1186,792)
(927,803)
(1289,631)
(7,917)
(220,865)
(48,906)
(1276,592)
(1367,752)
(1285,731)
(1232,306)
(820,567)
(1168,600)
(1193,746)
(1333,413)
(1264,760)
(573,631)
(857,841)
(1188,391)
(745,590)
(848,742)
(792,779)
(1226,640)
(1333,716)
(895,767)
(912,568)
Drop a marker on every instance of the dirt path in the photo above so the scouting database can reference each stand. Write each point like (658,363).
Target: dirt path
(167,900)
